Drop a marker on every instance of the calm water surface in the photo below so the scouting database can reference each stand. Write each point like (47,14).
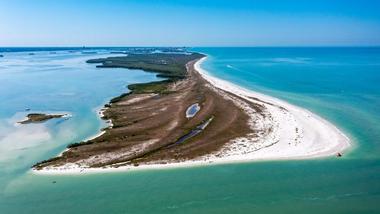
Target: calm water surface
(340,84)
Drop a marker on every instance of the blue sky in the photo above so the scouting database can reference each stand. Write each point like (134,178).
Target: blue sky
(190,23)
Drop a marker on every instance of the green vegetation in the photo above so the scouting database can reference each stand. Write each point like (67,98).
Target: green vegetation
(151,87)
(37,117)
(117,99)
(170,66)
(73,145)
(39,164)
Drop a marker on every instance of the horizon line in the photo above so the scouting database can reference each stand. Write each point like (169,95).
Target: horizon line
(198,46)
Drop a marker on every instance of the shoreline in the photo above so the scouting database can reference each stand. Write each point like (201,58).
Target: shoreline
(317,131)
(343,141)
(106,122)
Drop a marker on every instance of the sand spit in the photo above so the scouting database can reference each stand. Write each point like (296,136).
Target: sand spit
(288,132)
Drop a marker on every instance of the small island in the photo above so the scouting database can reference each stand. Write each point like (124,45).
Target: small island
(39,117)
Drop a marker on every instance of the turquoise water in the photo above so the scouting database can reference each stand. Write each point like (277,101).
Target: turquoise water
(340,84)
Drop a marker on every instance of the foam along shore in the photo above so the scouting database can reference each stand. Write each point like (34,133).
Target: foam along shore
(295,133)
(298,133)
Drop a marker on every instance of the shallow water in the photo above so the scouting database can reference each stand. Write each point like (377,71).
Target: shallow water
(340,84)
(197,130)
(192,110)
(52,83)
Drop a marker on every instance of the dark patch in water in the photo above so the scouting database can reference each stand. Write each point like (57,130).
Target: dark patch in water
(194,132)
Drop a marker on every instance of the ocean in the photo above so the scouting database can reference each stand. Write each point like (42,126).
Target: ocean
(339,84)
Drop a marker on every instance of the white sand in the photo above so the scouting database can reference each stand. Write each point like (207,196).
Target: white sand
(285,132)
(297,134)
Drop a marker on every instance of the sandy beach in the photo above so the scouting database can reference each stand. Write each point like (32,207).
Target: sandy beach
(296,133)
(299,133)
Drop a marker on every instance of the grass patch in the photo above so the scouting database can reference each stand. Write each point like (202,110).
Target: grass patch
(170,66)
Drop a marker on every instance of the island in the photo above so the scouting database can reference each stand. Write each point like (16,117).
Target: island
(39,117)
(189,118)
